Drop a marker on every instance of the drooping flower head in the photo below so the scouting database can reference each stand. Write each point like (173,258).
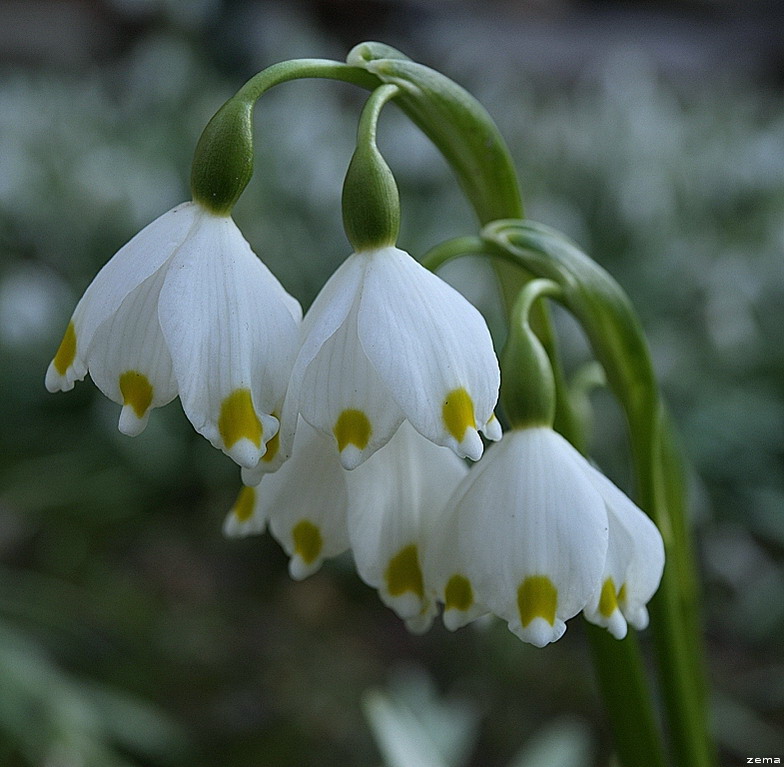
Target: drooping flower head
(525,538)
(535,535)
(186,308)
(394,498)
(386,341)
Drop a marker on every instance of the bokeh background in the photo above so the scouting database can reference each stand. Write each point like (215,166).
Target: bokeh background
(131,631)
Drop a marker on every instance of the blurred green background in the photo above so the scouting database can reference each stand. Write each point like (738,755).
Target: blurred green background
(131,631)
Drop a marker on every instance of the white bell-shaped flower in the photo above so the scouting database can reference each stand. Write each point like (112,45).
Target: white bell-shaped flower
(304,503)
(387,340)
(635,562)
(186,308)
(524,536)
(394,497)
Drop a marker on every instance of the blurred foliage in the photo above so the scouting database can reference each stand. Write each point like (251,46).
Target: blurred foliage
(132,633)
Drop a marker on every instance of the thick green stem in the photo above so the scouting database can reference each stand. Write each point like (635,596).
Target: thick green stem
(624,687)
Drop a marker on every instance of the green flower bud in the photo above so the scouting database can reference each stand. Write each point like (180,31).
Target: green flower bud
(371,204)
(223,160)
(527,383)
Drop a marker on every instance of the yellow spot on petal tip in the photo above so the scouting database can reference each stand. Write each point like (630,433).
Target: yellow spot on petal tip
(272,447)
(238,419)
(136,391)
(458,594)
(537,597)
(308,541)
(403,573)
(66,352)
(458,413)
(622,595)
(352,428)
(243,506)
(608,599)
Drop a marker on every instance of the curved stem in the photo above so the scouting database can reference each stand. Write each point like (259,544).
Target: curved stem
(298,69)
(446,251)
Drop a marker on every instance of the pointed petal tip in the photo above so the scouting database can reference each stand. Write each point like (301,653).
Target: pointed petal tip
(408,606)
(421,623)
(299,569)
(351,457)
(637,617)
(539,632)
(56,381)
(245,453)
(615,623)
(492,429)
(455,619)
(470,446)
(253,476)
(130,424)
(235,528)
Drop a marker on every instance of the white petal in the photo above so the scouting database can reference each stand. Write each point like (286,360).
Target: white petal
(141,257)
(528,531)
(128,358)
(306,501)
(430,347)
(492,429)
(341,394)
(232,338)
(274,457)
(635,553)
(393,497)
(246,516)
(325,316)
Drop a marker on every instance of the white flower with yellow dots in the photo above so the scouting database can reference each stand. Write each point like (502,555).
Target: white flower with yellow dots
(394,498)
(387,340)
(525,536)
(185,308)
(304,503)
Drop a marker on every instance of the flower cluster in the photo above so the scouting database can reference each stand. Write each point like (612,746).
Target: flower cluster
(351,427)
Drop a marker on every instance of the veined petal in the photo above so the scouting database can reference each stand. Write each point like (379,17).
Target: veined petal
(232,338)
(341,394)
(325,317)
(306,501)
(393,497)
(529,535)
(246,516)
(635,558)
(128,358)
(432,350)
(136,261)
